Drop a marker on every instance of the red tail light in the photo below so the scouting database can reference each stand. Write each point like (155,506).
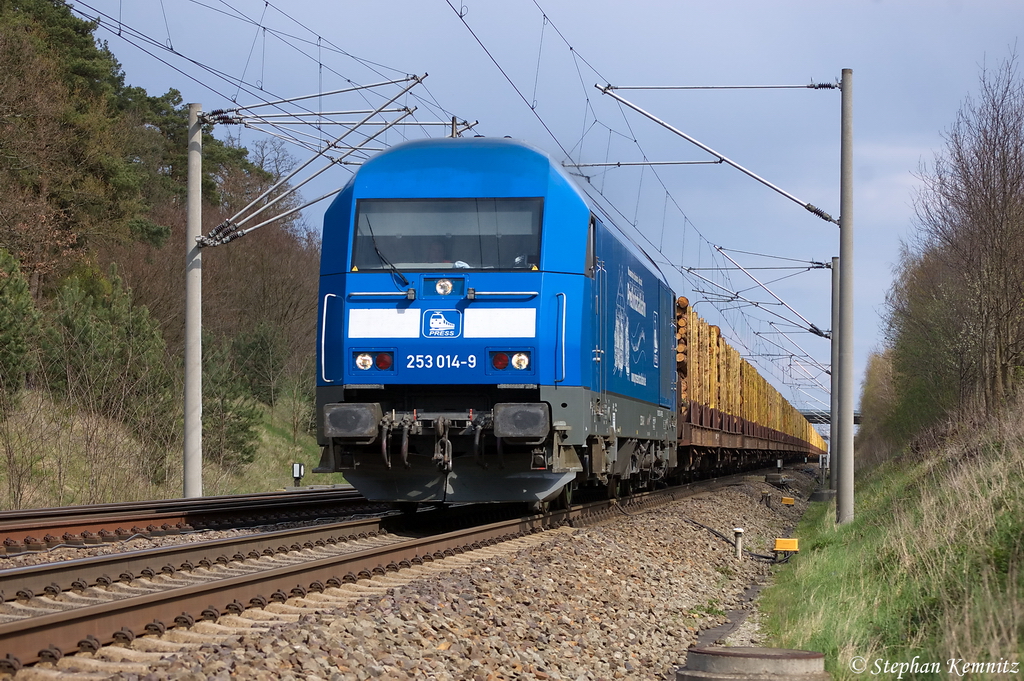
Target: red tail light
(384,361)
(499,361)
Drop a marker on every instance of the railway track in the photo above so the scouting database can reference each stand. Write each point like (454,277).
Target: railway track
(177,595)
(41,529)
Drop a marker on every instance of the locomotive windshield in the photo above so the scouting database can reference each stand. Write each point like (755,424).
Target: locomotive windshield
(416,234)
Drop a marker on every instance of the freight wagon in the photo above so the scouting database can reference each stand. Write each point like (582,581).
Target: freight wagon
(730,416)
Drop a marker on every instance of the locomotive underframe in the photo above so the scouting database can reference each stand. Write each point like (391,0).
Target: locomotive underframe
(526,444)
(397,450)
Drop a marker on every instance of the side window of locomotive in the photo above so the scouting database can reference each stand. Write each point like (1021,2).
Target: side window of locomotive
(479,233)
(590,264)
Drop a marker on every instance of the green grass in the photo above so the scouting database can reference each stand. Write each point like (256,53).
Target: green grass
(272,467)
(930,565)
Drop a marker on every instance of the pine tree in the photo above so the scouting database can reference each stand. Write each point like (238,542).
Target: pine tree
(106,355)
(18,319)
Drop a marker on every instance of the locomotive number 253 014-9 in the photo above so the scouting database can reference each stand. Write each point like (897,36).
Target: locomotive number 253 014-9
(439,362)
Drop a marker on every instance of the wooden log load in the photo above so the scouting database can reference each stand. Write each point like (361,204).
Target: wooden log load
(711,373)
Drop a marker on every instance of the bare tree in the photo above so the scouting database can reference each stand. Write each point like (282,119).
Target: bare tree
(971,219)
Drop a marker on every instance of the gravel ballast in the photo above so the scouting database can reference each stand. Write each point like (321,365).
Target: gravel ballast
(620,600)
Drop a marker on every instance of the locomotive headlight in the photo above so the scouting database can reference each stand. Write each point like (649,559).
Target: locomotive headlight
(364,361)
(520,360)
(443,287)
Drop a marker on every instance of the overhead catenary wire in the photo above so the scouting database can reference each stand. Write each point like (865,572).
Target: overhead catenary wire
(305,140)
(717,302)
(733,296)
(462,18)
(607,89)
(295,210)
(333,144)
(816,364)
(257,91)
(808,86)
(743,269)
(322,44)
(252,47)
(242,114)
(814,263)
(812,378)
(292,100)
(789,352)
(229,229)
(819,365)
(123,29)
(621,164)
(810,326)
(303,45)
(348,112)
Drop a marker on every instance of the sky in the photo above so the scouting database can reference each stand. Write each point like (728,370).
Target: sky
(528,69)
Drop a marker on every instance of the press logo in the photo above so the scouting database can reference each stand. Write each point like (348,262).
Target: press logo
(442,323)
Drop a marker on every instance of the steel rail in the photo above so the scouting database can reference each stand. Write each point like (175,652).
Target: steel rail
(16,525)
(52,635)
(71,574)
(24,641)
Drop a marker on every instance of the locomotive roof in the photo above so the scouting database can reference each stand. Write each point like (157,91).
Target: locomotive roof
(523,168)
(504,146)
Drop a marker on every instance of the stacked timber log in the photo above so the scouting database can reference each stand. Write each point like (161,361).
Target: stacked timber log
(682,345)
(712,373)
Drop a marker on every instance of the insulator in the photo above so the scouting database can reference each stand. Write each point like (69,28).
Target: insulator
(221,228)
(819,212)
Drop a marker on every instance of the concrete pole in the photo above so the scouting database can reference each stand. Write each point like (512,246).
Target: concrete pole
(193,477)
(833,428)
(844,496)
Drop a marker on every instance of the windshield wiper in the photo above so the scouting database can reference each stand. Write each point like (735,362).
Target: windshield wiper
(384,260)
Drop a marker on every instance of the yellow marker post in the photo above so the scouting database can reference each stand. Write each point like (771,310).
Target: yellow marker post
(788,545)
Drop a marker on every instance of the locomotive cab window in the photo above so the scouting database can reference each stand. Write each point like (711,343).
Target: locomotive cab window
(433,234)
(590,263)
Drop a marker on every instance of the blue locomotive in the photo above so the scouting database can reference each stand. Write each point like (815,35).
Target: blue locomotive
(484,336)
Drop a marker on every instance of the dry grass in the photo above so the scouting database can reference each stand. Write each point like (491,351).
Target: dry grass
(931,565)
(53,455)
(56,455)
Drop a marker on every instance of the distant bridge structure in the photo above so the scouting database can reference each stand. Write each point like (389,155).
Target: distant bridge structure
(824,415)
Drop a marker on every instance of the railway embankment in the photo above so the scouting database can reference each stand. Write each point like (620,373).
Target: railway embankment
(928,579)
(622,599)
